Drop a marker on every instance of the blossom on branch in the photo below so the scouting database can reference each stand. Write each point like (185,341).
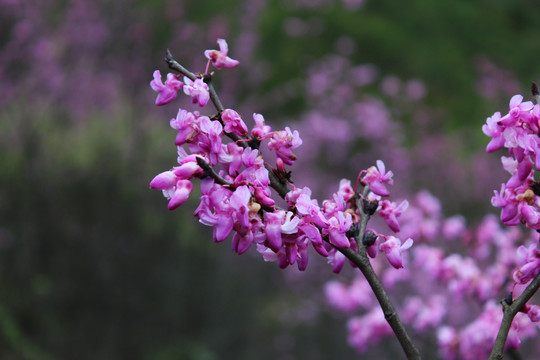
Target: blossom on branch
(198,90)
(377,177)
(166,92)
(219,57)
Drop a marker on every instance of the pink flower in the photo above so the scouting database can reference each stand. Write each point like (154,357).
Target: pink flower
(260,130)
(393,248)
(530,259)
(283,142)
(376,177)
(390,211)
(187,124)
(166,92)
(219,57)
(163,181)
(198,90)
(533,312)
(233,123)
(495,131)
(518,109)
(180,193)
(214,209)
(338,227)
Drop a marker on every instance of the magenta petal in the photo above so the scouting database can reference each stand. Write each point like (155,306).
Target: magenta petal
(273,237)
(188,170)
(524,168)
(222,228)
(312,233)
(495,144)
(339,261)
(163,181)
(242,243)
(392,223)
(180,196)
(320,249)
(530,215)
(338,239)
(508,213)
(166,96)
(291,250)
(302,260)
(378,188)
(394,258)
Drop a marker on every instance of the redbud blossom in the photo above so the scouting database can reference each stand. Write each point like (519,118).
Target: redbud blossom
(233,123)
(376,177)
(393,248)
(283,142)
(260,130)
(533,312)
(219,57)
(198,90)
(390,211)
(530,264)
(166,92)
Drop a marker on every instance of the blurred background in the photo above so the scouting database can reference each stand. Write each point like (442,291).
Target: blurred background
(94,266)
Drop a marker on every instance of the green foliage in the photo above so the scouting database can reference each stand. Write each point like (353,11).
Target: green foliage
(436,41)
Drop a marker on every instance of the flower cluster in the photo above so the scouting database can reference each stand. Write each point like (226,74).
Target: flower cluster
(518,132)
(442,285)
(238,187)
(519,197)
(236,182)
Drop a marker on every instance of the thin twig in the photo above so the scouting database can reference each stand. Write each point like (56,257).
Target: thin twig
(361,260)
(209,171)
(509,312)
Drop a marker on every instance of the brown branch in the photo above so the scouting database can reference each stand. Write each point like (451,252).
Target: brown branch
(361,260)
(209,171)
(509,312)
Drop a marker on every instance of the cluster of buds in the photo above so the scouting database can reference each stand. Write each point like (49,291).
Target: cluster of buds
(237,182)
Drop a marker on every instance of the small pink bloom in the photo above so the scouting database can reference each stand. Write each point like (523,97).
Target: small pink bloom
(273,229)
(163,181)
(166,92)
(338,227)
(283,142)
(260,130)
(180,193)
(494,130)
(393,248)
(233,123)
(219,57)
(198,90)
(376,177)
(390,211)
(530,260)
(533,312)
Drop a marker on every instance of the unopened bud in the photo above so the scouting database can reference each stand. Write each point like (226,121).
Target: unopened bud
(369,239)
(353,231)
(535,93)
(535,187)
(370,207)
